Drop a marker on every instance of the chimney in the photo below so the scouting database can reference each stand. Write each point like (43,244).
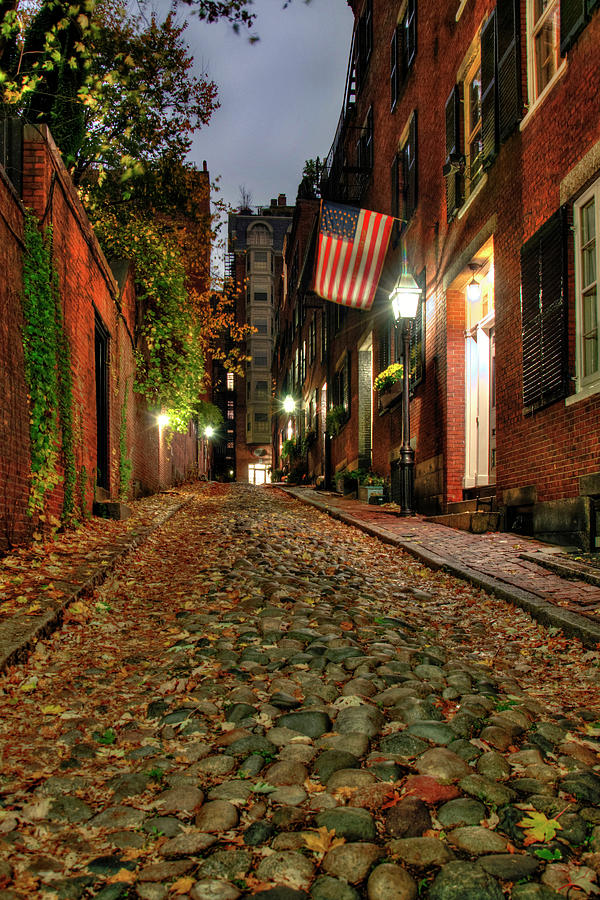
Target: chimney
(273,202)
(282,200)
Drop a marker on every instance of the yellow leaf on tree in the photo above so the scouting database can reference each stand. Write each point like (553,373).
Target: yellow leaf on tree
(323,840)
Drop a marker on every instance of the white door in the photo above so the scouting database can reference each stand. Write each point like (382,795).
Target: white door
(478,410)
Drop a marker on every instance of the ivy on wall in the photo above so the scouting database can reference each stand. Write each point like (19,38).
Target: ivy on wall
(169,359)
(47,373)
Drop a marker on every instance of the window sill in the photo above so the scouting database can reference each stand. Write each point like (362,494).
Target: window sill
(589,390)
(539,100)
(471,198)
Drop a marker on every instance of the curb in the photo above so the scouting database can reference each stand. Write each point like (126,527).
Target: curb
(17,638)
(544,612)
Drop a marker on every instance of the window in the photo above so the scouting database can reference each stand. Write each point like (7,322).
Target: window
(341,385)
(586,215)
(230,381)
(260,261)
(363,43)
(364,145)
(260,360)
(261,325)
(261,296)
(472,119)
(261,388)
(544,314)
(408,158)
(542,42)
(259,236)
(403,50)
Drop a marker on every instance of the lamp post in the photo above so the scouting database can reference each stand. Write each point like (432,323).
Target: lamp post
(208,433)
(405,301)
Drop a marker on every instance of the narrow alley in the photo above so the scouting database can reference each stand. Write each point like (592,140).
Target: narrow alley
(261,701)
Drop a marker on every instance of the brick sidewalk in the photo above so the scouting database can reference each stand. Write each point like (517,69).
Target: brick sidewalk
(492,561)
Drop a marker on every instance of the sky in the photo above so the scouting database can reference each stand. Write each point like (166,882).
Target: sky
(280,97)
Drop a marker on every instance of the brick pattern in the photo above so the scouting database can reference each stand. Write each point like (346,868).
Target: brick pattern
(87,289)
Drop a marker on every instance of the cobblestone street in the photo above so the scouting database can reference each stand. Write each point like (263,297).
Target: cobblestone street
(261,701)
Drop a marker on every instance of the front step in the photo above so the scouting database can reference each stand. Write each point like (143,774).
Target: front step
(472,521)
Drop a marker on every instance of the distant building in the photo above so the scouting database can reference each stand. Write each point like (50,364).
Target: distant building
(255,243)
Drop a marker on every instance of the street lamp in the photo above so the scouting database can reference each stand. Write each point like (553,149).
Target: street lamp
(289,404)
(405,302)
(208,433)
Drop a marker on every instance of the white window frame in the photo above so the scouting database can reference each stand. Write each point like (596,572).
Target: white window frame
(590,383)
(536,96)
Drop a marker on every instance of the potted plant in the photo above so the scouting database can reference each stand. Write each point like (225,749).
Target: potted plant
(389,384)
(371,485)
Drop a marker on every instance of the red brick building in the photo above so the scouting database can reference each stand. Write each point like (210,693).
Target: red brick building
(478,125)
(100,313)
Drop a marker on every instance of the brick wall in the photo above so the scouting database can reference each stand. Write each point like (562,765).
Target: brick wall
(88,289)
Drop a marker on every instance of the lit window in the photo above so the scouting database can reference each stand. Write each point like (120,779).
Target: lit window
(472,115)
(230,381)
(543,44)
(587,264)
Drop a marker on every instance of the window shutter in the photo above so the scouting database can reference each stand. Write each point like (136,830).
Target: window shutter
(509,66)
(417,337)
(489,91)
(384,348)
(590,6)
(544,313)
(572,22)
(454,179)
(395,205)
(410,169)
(394,69)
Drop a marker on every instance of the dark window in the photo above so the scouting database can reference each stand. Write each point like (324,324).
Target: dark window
(260,417)
(574,16)
(395,65)
(261,326)
(364,146)
(409,24)
(324,334)
(454,165)
(101,367)
(544,313)
(261,296)
(341,385)
(261,388)
(260,360)
(363,43)
(409,171)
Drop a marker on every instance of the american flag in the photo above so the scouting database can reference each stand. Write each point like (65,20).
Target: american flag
(352,247)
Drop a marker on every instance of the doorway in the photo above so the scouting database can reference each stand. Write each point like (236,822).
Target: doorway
(102,425)
(480,384)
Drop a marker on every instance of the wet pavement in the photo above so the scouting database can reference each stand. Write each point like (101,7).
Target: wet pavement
(262,701)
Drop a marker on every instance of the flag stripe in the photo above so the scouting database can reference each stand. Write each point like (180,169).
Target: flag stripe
(351,251)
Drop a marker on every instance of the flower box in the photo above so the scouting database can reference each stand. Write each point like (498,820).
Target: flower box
(366,491)
(390,398)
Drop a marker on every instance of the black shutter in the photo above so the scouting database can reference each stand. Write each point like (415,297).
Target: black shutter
(544,313)
(489,91)
(410,169)
(509,66)
(384,348)
(394,69)
(454,178)
(590,6)
(572,22)
(395,206)
(417,337)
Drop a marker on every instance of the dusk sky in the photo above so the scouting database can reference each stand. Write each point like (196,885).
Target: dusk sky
(280,97)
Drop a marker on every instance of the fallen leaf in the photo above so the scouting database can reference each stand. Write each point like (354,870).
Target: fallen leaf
(123,876)
(538,827)
(323,840)
(182,885)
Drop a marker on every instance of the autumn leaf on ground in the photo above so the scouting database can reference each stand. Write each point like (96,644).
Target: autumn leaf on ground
(538,827)
(323,840)
(395,798)
(563,876)
(182,885)
(122,876)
